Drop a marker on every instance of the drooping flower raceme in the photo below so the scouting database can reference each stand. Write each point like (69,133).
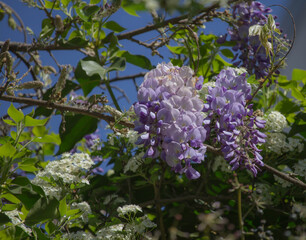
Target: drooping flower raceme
(250,53)
(231,123)
(169,118)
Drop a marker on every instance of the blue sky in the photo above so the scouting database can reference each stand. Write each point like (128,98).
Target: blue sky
(32,18)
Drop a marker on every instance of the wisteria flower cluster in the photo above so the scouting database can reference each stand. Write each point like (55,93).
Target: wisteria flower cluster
(231,122)
(251,54)
(169,118)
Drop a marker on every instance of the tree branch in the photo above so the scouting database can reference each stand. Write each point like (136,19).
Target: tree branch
(62,107)
(184,198)
(24,47)
(284,176)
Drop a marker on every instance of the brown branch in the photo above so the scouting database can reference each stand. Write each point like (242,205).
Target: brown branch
(62,107)
(141,74)
(184,198)
(284,176)
(23,47)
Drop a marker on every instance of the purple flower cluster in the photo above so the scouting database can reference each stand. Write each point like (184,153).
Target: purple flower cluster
(252,55)
(91,143)
(170,118)
(230,122)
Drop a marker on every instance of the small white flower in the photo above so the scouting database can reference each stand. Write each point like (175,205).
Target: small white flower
(16,220)
(300,168)
(283,182)
(275,142)
(79,235)
(132,136)
(68,169)
(276,122)
(127,209)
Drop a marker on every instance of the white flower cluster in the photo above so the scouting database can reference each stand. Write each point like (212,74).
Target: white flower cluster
(278,143)
(49,189)
(282,182)
(132,136)
(276,122)
(16,220)
(68,169)
(220,163)
(127,231)
(85,209)
(128,209)
(112,137)
(300,168)
(300,209)
(134,163)
(79,235)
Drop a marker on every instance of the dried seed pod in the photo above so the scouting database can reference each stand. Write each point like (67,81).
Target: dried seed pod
(31,85)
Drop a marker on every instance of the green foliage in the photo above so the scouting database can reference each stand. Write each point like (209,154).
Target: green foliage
(77,128)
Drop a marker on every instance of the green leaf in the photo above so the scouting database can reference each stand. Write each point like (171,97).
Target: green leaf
(91,68)
(118,64)
(28,168)
(63,207)
(31,122)
(54,4)
(297,129)
(112,25)
(87,82)
(80,12)
(40,234)
(286,106)
(16,115)
(227,53)
(44,209)
(94,1)
(26,195)
(7,150)
(10,197)
(26,183)
(23,136)
(90,10)
(298,74)
(9,122)
(9,207)
(65,2)
(74,42)
(52,138)
(76,128)
(4,219)
(137,60)
(178,49)
(47,28)
(130,7)
(50,227)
